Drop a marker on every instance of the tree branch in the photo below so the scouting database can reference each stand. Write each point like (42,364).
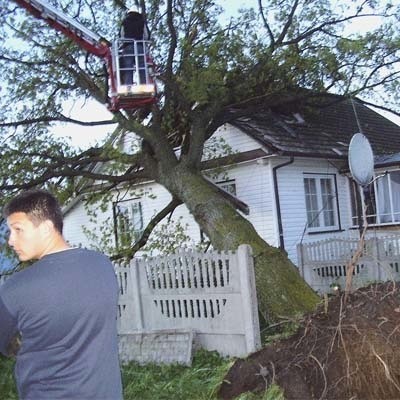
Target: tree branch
(173,41)
(128,254)
(309,32)
(59,118)
(288,23)
(266,25)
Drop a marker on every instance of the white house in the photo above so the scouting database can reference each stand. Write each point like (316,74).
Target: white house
(288,166)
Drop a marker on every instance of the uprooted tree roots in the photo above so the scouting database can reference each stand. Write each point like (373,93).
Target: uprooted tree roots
(345,350)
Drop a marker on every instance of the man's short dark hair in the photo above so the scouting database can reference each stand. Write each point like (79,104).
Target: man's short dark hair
(39,205)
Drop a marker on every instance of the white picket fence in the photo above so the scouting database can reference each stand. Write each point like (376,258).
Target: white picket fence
(212,294)
(323,264)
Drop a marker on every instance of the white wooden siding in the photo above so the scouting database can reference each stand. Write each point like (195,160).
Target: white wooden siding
(292,201)
(153,199)
(76,218)
(254,186)
(73,222)
(236,139)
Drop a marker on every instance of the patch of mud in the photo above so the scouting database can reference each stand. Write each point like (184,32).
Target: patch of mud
(347,350)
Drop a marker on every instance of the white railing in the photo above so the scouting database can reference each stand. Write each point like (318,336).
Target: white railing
(323,264)
(212,294)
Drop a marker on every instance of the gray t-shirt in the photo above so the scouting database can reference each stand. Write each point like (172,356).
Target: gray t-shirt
(65,307)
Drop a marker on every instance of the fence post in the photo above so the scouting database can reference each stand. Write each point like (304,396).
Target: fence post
(300,261)
(377,260)
(137,316)
(304,269)
(249,298)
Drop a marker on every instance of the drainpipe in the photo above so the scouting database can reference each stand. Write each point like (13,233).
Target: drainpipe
(278,204)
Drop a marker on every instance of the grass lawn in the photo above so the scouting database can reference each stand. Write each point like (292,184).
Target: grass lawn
(152,382)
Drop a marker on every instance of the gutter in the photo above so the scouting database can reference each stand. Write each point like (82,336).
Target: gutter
(67,208)
(278,204)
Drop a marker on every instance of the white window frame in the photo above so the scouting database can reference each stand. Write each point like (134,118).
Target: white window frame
(384,200)
(228,185)
(129,212)
(319,213)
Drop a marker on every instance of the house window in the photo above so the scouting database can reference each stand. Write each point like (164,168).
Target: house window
(228,186)
(128,222)
(381,200)
(321,202)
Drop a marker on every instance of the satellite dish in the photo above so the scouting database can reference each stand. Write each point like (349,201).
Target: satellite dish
(361,159)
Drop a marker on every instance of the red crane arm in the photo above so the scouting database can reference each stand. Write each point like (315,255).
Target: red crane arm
(85,38)
(120,95)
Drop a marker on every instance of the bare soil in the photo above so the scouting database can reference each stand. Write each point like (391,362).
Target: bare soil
(347,349)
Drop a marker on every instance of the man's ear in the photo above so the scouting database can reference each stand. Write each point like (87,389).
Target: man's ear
(48,227)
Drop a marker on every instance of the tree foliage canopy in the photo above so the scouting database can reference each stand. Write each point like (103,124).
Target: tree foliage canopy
(209,68)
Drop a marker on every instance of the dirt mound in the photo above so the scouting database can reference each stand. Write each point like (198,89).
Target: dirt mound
(345,350)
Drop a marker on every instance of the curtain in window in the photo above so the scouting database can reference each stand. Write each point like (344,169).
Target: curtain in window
(383,199)
(129,220)
(395,189)
(137,217)
(310,189)
(327,202)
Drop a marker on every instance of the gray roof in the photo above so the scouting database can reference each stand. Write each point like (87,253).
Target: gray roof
(387,160)
(323,130)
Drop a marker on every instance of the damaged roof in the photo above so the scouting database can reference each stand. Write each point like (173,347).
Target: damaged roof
(325,129)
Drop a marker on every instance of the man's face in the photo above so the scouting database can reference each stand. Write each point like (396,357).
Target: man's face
(26,239)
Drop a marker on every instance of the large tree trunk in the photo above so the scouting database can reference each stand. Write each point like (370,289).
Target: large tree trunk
(281,291)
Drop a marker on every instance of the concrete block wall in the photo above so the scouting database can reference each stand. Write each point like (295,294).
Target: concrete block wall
(167,347)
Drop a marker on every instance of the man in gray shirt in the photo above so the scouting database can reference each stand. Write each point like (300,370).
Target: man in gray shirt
(64,307)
